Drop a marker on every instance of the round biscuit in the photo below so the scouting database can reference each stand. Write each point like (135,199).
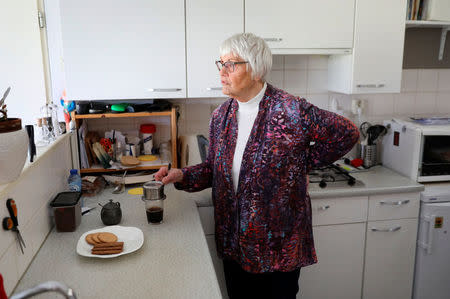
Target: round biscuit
(89,239)
(107,237)
(96,239)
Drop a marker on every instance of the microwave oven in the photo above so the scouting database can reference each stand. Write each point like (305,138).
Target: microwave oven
(420,151)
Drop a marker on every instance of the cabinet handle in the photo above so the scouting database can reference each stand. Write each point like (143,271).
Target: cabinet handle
(273,39)
(164,89)
(394,229)
(323,208)
(370,85)
(394,203)
(213,88)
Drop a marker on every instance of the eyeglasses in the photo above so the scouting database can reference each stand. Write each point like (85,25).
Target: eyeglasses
(228,65)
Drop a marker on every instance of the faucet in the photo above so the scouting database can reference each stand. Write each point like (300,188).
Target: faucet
(49,286)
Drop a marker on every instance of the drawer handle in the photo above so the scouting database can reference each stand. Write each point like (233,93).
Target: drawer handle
(394,203)
(273,39)
(213,88)
(394,229)
(323,208)
(164,89)
(370,85)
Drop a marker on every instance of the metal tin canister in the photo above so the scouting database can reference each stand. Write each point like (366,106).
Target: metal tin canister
(154,190)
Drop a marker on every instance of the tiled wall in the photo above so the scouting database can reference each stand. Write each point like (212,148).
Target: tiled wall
(424,93)
(32,192)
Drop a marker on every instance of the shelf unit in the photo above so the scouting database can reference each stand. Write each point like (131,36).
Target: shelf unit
(144,164)
(433,24)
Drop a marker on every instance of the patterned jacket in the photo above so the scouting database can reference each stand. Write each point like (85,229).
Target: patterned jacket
(266,225)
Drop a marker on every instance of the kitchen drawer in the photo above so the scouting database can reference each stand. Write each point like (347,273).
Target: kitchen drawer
(339,210)
(207,219)
(394,206)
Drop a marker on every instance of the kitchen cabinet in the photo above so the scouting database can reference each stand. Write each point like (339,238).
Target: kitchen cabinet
(208,24)
(375,66)
(302,26)
(117,49)
(390,246)
(340,251)
(144,164)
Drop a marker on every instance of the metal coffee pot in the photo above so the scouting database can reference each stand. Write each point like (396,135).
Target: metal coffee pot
(111,213)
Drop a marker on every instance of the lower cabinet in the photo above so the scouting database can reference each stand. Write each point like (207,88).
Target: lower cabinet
(338,274)
(389,262)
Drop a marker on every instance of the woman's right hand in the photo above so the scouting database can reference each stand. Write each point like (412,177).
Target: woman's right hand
(166,176)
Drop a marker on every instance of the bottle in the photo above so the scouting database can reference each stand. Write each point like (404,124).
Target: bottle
(74,181)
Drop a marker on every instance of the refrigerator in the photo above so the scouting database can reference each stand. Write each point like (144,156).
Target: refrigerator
(432,268)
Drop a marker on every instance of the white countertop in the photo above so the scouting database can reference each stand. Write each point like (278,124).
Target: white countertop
(174,261)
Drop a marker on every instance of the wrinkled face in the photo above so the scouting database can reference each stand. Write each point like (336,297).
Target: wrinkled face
(237,83)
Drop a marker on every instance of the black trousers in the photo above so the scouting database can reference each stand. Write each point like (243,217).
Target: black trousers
(271,285)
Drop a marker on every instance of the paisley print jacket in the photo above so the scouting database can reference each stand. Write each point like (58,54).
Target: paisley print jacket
(266,225)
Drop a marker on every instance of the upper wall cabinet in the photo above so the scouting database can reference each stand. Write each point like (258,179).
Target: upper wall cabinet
(302,26)
(115,49)
(376,63)
(208,24)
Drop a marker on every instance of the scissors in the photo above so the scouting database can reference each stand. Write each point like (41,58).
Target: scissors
(11,223)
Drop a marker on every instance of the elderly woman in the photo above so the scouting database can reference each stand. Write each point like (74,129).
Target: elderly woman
(263,143)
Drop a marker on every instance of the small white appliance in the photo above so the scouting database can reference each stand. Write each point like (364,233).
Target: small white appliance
(432,269)
(419,149)
(193,149)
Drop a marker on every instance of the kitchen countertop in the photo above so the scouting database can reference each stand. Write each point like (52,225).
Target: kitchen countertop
(174,261)
(377,180)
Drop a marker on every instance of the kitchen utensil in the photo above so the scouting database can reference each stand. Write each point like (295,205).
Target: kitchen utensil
(369,154)
(132,238)
(2,101)
(31,144)
(120,188)
(364,127)
(11,223)
(373,132)
(111,213)
(67,211)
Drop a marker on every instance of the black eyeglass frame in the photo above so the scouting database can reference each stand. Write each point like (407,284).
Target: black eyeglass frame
(226,65)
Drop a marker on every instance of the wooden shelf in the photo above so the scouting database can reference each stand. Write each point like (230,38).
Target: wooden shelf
(145,165)
(121,115)
(426,24)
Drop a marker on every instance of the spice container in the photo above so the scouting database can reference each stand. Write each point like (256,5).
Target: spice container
(67,211)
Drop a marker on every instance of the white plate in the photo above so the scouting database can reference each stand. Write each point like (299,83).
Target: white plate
(132,238)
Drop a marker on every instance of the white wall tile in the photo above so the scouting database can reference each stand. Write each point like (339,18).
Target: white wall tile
(427,80)
(295,62)
(409,80)
(319,100)
(444,80)
(317,81)
(277,62)
(295,82)
(425,104)
(380,104)
(317,62)
(199,111)
(443,103)
(8,269)
(404,103)
(275,78)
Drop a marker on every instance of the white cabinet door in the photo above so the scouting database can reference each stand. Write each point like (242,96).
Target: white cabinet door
(376,63)
(338,273)
(389,262)
(116,49)
(301,24)
(208,24)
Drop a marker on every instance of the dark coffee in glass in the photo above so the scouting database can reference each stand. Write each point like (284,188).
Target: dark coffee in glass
(154,214)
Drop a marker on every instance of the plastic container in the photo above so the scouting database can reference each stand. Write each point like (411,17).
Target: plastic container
(74,181)
(67,211)
(147,131)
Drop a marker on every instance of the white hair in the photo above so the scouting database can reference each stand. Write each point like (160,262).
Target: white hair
(251,48)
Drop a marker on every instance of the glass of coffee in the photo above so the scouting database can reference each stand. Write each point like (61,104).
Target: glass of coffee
(154,201)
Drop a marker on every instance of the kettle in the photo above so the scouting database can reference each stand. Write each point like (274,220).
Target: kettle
(111,213)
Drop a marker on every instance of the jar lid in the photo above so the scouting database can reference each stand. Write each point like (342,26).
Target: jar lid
(66,199)
(148,128)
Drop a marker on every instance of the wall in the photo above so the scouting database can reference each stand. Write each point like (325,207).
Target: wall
(425,92)
(32,191)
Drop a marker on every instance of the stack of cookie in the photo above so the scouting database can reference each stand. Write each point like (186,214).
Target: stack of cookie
(104,243)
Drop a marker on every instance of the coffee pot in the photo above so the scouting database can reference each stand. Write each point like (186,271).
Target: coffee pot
(111,213)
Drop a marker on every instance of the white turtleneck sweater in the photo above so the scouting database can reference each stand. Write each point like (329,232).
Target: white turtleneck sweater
(246,116)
